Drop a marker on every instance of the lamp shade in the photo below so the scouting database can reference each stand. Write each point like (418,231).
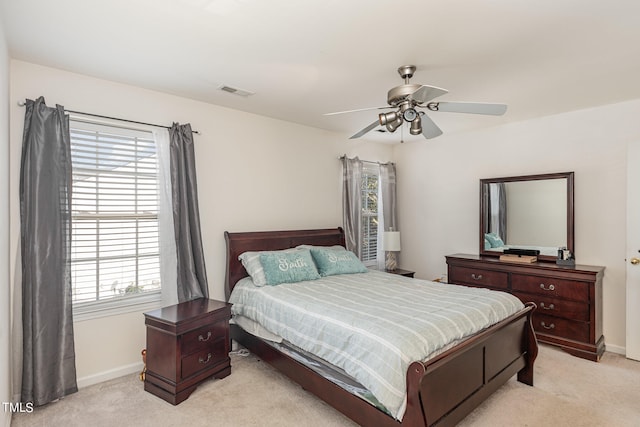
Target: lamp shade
(391,241)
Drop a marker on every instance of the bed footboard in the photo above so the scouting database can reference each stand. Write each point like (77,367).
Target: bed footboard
(445,389)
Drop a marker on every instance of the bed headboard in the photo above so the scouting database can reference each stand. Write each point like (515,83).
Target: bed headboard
(238,243)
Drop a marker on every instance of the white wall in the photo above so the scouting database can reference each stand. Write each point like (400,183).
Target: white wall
(5,297)
(438,190)
(254,173)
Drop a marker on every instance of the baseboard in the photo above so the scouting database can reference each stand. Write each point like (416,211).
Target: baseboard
(616,349)
(110,374)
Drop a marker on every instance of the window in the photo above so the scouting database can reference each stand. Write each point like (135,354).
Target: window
(369,194)
(115,259)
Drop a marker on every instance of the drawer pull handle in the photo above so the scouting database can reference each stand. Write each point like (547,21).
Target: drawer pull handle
(549,307)
(201,338)
(544,325)
(204,361)
(550,288)
(475,276)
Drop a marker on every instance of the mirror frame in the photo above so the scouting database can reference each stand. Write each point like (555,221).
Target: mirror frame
(569,176)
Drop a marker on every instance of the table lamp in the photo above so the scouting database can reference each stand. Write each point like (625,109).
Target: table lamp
(391,244)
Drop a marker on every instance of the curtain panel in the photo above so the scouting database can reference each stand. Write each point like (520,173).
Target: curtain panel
(48,357)
(352,203)
(191,271)
(502,211)
(497,212)
(166,229)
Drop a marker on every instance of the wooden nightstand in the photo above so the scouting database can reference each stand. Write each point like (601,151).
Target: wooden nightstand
(401,272)
(187,343)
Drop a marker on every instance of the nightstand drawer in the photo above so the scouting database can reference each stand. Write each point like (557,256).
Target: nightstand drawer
(201,338)
(550,287)
(203,359)
(557,307)
(478,277)
(570,329)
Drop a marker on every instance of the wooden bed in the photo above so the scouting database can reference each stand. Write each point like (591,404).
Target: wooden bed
(441,391)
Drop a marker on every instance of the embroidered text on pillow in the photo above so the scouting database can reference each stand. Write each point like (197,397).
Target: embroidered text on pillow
(285,264)
(335,257)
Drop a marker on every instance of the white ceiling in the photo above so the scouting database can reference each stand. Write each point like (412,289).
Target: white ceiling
(303,58)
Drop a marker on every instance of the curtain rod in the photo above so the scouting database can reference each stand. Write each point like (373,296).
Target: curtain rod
(23,103)
(368,161)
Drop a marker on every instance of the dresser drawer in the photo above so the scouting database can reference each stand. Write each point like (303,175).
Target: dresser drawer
(564,328)
(479,277)
(204,358)
(201,338)
(550,287)
(557,307)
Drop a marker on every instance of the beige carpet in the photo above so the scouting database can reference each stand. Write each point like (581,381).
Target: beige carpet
(568,392)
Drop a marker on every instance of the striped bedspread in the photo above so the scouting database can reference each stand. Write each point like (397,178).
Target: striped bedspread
(373,325)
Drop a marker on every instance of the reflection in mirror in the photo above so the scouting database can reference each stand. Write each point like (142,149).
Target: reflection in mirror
(527,212)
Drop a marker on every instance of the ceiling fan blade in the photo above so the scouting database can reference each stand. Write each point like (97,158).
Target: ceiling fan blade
(427,93)
(469,107)
(429,128)
(365,130)
(355,111)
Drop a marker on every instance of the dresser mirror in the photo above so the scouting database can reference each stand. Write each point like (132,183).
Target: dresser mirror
(527,212)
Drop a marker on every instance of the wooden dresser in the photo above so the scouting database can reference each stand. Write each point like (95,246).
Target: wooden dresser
(186,344)
(569,299)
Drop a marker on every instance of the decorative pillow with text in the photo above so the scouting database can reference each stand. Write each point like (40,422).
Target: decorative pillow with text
(331,261)
(251,262)
(288,267)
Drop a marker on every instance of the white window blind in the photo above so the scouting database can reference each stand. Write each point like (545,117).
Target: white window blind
(369,194)
(115,247)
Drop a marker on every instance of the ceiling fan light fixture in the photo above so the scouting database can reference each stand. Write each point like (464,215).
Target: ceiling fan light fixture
(392,126)
(410,114)
(416,126)
(386,118)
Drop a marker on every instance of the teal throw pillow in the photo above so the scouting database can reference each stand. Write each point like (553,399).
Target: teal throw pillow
(494,240)
(251,262)
(331,261)
(288,267)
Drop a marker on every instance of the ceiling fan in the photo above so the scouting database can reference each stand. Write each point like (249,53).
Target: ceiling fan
(407,98)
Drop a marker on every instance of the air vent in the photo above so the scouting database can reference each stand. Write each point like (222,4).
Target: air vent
(235,90)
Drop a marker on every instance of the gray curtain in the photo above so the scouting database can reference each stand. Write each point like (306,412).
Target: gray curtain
(192,274)
(352,203)
(496,218)
(48,371)
(502,211)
